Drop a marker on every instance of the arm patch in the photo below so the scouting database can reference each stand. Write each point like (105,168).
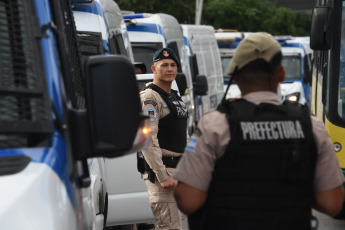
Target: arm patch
(152,113)
(150,102)
(192,144)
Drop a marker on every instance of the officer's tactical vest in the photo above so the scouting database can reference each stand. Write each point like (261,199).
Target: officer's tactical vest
(264,181)
(172,133)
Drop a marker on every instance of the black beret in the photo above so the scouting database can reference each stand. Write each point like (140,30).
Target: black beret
(165,53)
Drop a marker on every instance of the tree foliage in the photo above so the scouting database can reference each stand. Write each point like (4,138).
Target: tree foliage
(255,15)
(182,10)
(242,15)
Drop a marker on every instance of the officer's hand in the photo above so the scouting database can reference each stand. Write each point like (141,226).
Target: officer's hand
(169,184)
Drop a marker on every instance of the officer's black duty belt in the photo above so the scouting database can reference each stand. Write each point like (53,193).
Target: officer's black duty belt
(171,162)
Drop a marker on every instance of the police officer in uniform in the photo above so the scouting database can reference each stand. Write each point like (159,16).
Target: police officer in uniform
(256,163)
(168,117)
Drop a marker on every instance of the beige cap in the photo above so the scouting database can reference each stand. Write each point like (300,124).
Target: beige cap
(255,46)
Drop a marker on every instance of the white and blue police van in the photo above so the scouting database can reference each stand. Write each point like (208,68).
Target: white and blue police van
(298,69)
(206,62)
(101,30)
(56,113)
(228,41)
(296,61)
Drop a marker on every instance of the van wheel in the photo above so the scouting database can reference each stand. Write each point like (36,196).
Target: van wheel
(105,211)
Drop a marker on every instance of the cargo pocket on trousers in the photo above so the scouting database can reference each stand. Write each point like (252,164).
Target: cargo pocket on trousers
(174,214)
(162,213)
(167,215)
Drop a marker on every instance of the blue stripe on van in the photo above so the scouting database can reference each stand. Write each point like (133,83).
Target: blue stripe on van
(56,155)
(186,42)
(93,8)
(133,16)
(146,27)
(294,45)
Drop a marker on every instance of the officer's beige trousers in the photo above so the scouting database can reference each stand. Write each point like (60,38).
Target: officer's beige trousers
(163,205)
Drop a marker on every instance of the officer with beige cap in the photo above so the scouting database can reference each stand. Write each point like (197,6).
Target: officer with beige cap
(256,163)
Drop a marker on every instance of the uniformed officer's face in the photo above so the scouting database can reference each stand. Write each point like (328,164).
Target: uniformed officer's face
(165,70)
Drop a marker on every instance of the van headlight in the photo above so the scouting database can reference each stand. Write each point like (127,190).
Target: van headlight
(293,97)
(143,135)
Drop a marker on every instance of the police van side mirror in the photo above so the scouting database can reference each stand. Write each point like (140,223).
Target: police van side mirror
(200,85)
(194,66)
(113,123)
(181,82)
(321,28)
(173,45)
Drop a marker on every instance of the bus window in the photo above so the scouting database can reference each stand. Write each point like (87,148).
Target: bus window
(341,99)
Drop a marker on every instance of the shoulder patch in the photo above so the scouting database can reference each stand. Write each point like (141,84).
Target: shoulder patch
(150,102)
(152,113)
(191,144)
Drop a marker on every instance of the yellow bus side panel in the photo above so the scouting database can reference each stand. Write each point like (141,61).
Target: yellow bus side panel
(337,135)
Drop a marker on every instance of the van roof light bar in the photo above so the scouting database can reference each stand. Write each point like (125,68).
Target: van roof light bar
(283,39)
(134,16)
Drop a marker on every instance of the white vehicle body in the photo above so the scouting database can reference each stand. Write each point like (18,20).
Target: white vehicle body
(101,17)
(201,41)
(128,198)
(150,32)
(292,88)
(104,17)
(28,183)
(226,55)
(227,43)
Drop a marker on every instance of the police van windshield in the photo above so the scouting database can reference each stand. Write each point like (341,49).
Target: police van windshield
(292,65)
(143,52)
(225,67)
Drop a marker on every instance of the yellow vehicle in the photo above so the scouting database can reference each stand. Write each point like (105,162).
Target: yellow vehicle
(327,39)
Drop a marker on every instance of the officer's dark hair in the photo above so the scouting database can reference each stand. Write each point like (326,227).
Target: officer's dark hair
(260,66)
